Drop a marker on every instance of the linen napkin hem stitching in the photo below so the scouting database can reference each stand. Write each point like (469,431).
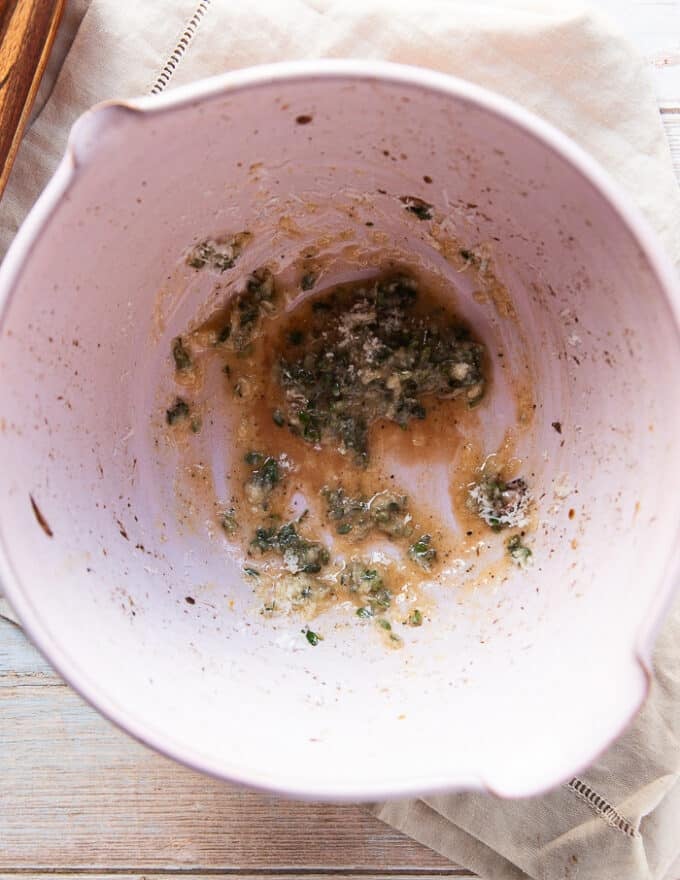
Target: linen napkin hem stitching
(182,45)
(601,807)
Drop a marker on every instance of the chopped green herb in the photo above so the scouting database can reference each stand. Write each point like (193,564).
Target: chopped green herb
(253,572)
(263,478)
(420,208)
(390,515)
(367,356)
(181,411)
(181,355)
(310,425)
(178,411)
(518,551)
(299,555)
(278,418)
(500,504)
(308,281)
(422,553)
(367,583)
(268,474)
(364,612)
(246,310)
(384,624)
(415,618)
(224,334)
(218,255)
(257,297)
(385,512)
(228,521)
(312,637)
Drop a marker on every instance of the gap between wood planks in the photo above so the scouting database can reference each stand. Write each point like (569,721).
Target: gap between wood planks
(200,873)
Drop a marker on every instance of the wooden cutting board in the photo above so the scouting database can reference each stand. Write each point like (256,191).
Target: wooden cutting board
(27,31)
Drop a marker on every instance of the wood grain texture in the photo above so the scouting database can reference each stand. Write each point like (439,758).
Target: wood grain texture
(27,31)
(20,663)
(102,801)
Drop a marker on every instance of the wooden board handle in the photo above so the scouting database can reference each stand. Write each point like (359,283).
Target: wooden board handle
(27,31)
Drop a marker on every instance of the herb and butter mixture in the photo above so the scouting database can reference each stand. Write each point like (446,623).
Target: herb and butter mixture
(504,504)
(499,503)
(316,381)
(218,254)
(365,355)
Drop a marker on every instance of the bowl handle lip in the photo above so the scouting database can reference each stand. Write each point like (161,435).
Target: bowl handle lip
(86,129)
(32,229)
(376,72)
(93,126)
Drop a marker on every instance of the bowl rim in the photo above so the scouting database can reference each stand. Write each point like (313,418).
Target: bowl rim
(361,71)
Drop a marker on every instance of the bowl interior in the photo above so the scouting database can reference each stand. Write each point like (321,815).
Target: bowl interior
(512,686)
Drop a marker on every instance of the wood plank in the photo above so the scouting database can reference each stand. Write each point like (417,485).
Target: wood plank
(20,662)
(78,794)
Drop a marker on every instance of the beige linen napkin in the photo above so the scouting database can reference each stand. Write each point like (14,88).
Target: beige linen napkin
(621,819)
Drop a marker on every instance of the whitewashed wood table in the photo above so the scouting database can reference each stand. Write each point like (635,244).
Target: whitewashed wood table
(79,798)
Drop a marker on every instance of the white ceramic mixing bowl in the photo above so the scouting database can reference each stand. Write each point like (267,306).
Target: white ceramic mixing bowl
(513,689)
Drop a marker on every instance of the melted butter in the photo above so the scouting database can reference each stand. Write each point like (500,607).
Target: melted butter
(412,462)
